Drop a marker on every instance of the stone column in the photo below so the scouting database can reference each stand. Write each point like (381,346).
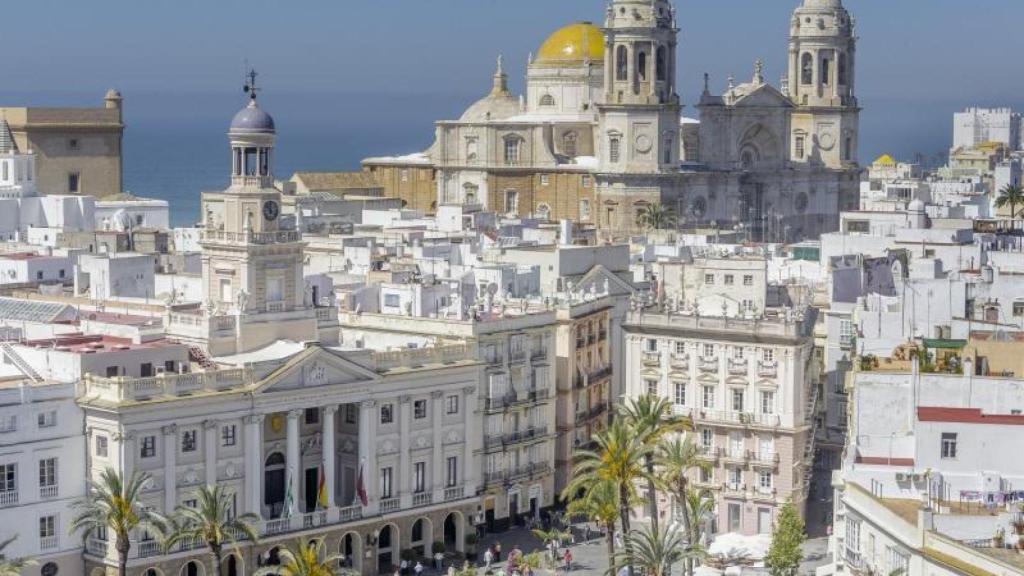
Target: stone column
(170,467)
(368,454)
(254,464)
(294,460)
(327,449)
(468,470)
(437,407)
(405,477)
(210,451)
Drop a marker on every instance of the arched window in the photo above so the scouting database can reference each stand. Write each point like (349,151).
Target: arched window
(826,71)
(547,100)
(747,159)
(667,153)
(641,65)
(621,64)
(661,65)
(469,193)
(614,146)
(807,68)
(569,144)
(543,211)
(841,70)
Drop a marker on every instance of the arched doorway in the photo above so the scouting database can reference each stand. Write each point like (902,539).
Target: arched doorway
(351,550)
(454,532)
(192,568)
(387,548)
(232,566)
(273,484)
(421,537)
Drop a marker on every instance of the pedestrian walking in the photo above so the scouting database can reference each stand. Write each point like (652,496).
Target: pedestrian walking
(403,567)
(497,551)
(488,558)
(418,568)
(567,557)
(438,560)
(586,531)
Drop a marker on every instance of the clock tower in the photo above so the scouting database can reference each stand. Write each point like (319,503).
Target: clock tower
(252,264)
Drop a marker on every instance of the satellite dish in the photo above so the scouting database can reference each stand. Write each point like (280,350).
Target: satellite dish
(492,288)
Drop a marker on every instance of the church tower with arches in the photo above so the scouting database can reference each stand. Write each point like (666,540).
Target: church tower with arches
(821,82)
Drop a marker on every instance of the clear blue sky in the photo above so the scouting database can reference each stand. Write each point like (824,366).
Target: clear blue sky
(918,59)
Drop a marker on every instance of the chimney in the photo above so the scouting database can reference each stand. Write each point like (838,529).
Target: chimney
(565,228)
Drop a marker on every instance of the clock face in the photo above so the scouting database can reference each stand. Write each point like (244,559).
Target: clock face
(270,210)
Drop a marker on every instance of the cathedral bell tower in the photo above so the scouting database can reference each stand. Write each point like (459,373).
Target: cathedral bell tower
(252,265)
(821,80)
(639,119)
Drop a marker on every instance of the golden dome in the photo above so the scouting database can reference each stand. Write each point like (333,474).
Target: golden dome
(573,44)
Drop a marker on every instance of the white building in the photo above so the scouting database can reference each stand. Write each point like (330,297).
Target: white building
(976,126)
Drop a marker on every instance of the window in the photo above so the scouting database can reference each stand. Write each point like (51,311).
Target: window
(1018,308)
(707,438)
(680,347)
(737,400)
(651,386)
(39,275)
(387,415)
(729,279)
(621,64)
(897,561)
(737,352)
(660,65)
(547,100)
(73,144)
(8,477)
(385,482)
(419,409)
(709,279)
(585,181)
(807,69)
(708,398)
(680,390)
(709,350)
(101,446)
(511,202)
(641,65)
(545,180)
(147,449)
(841,70)
(8,423)
(667,154)
(512,145)
(800,147)
(60,273)
(47,526)
(853,534)
(748,280)
(350,413)
(47,419)
(768,354)
(614,149)
(451,472)
(569,144)
(227,435)
(452,404)
(146,369)
(419,477)
(392,301)
(404,174)
(764,481)
(6,174)
(734,517)
(312,415)
(74,183)
(47,472)
(188,441)
(767,402)
(948,445)
(584,209)
(826,71)
(735,477)
(706,475)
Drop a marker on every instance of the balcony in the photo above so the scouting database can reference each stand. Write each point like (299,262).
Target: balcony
(513,399)
(277,526)
(527,471)
(48,543)
(651,358)
(388,505)
(278,306)
(707,364)
(734,454)
(707,453)
(734,489)
(764,494)
(744,419)
(350,513)
(602,335)
(538,354)
(738,367)
(48,492)
(249,237)
(515,437)
(96,547)
(125,388)
(454,493)
(314,519)
(422,499)
(517,356)
(8,498)
(582,380)
(764,458)
(680,361)
(148,548)
(767,369)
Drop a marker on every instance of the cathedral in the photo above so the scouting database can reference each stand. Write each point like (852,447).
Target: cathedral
(600,133)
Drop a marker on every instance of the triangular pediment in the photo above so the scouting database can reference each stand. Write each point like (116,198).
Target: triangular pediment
(316,367)
(764,96)
(599,279)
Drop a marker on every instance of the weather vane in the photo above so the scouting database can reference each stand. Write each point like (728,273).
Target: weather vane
(250,84)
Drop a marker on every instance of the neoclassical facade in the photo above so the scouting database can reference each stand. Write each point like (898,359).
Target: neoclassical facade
(395,428)
(599,133)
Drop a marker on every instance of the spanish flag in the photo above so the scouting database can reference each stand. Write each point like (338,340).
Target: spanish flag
(322,490)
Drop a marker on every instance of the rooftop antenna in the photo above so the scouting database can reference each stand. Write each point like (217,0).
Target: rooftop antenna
(250,84)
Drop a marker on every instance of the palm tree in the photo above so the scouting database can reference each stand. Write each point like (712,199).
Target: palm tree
(600,504)
(212,521)
(547,537)
(676,458)
(656,217)
(650,418)
(1011,196)
(12,566)
(697,504)
(653,551)
(618,458)
(113,506)
(307,559)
